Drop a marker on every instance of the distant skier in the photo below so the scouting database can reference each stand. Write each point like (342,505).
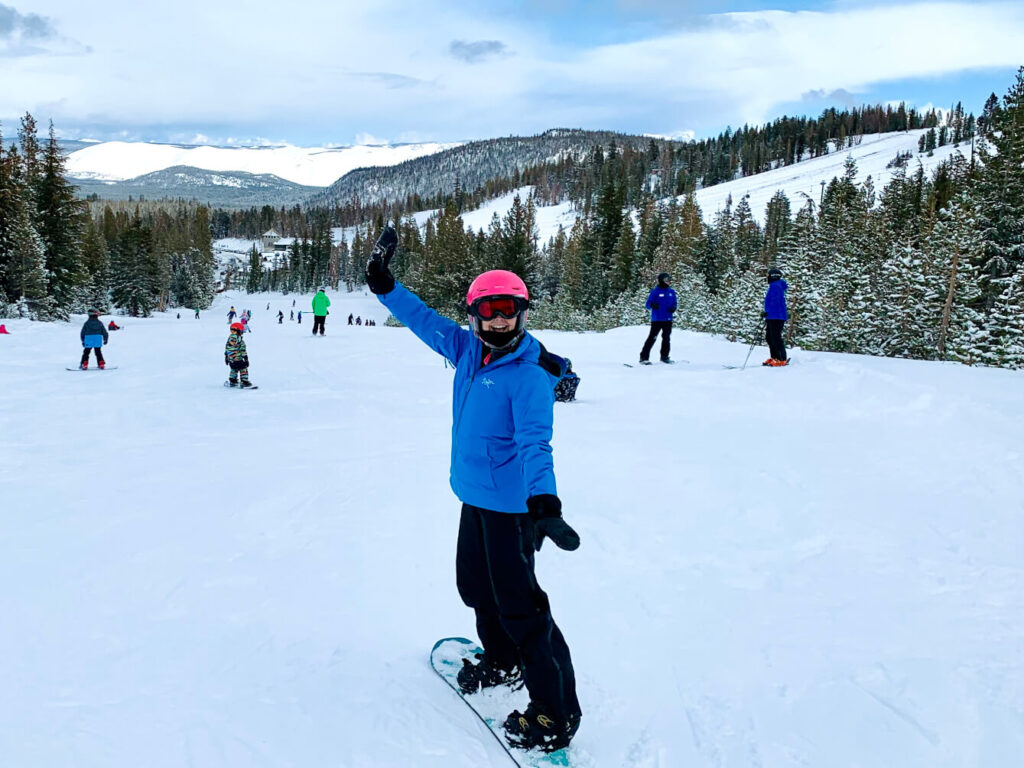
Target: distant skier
(661,302)
(775,315)
(94,336)
(197,313)
(268,305)
(112,326)
(280,316)
(359,320)
(3,330)
(236,357)
(350,316)
(300,317)
(291,314)
(320,305)
(503,473)
(232,315)
(244,319)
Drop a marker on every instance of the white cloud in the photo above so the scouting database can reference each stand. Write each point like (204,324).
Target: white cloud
(370,69)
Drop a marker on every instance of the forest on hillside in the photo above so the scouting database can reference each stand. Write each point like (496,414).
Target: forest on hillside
(929,266)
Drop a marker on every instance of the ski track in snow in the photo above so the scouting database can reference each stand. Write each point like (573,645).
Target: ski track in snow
(802,567)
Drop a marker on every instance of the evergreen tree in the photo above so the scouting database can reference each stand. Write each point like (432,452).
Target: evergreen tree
(22,266)
(134,269)
(61,221)
(255,278)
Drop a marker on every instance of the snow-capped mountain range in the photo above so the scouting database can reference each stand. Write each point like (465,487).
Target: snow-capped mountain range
(115,161)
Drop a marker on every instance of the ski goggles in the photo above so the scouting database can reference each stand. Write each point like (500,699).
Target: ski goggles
(491,307)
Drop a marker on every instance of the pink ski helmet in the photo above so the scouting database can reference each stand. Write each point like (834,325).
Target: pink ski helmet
(498,292)
(497,282)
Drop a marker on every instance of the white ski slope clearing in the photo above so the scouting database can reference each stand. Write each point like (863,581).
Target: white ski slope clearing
(817,565)
(799,182)
(312,166)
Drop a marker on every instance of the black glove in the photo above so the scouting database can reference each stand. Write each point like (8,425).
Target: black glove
(378,276)
(546,513)
(672,311)
(654,305)
(227,360)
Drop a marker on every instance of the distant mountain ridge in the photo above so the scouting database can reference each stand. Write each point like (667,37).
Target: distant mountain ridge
(227,189)
(469,165)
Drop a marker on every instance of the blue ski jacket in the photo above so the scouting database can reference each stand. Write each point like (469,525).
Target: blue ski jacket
(775,301)
(502,413)
(94,333)
(662,303)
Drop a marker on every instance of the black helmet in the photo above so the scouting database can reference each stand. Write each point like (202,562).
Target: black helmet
(774,274)
(664,277)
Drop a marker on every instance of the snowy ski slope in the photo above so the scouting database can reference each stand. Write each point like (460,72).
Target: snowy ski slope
(799,181)
(811,566)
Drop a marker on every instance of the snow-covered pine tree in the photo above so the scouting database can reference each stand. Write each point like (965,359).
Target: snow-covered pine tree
(22,265)
(60,218)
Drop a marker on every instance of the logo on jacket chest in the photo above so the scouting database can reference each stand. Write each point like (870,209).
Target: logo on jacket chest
(488,383)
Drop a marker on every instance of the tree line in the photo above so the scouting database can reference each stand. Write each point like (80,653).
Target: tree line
(928,267)
(59,254)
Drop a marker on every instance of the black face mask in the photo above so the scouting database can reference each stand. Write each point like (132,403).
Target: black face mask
(499,340)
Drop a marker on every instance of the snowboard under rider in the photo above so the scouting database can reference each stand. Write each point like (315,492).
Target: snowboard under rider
(502,472)
(661,302)
(775,316)
(94,336)
(236,357)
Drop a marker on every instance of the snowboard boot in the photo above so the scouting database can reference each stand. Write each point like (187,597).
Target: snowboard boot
(85,365)
(645,362)
(769,362)
(232,382)
(475,677)
(245,384)
(102,364)
(777,363)
(533,729)
(668,360)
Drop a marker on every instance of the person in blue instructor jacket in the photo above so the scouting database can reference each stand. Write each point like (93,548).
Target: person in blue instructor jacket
(661,302)
(503,472)
(775,315)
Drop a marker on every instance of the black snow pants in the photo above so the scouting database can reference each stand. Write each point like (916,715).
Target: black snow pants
(85,355)
(318,322)
(773,335)
(665,327)
(494,572)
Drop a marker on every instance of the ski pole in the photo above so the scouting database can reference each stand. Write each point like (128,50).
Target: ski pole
(760,330)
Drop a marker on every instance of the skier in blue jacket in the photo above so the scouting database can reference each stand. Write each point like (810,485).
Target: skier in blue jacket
(502,471)
(775,315)
(661,302)
(94,336)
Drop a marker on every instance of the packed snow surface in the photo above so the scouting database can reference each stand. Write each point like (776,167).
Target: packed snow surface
(817,565)
(312,166)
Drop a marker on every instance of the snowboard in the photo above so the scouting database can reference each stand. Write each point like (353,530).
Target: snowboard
(491,706)
(108,368)
(228,386)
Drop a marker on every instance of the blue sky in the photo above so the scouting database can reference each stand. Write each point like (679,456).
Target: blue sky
(312,72)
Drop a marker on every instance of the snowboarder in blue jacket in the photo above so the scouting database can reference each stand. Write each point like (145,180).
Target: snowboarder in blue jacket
(94,336)
(502,471)
(661,302)
(775,315)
